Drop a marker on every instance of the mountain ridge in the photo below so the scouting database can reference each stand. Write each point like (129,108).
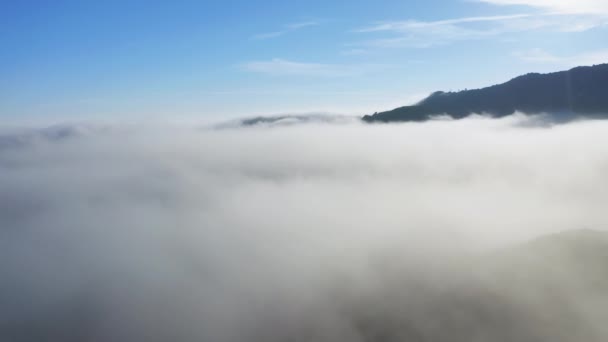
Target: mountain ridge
(580,91)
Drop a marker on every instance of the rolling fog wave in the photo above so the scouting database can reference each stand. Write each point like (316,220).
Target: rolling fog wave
(315,232)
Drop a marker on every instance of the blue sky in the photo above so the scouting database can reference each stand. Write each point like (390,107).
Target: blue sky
(232,58)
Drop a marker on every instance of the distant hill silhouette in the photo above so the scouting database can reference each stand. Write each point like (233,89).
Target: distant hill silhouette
(565,94)
(281,120)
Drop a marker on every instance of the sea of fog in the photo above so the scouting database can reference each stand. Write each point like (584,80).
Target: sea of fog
(323,231)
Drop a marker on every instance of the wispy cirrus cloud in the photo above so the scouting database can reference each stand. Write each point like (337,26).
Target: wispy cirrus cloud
(424,34)
(355,52)
(282,67)
(297,26)
(545,57)
(286,29)
(414,24)
(563,15)
(559,6)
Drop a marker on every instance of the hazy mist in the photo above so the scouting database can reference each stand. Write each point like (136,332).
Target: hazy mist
(305,232)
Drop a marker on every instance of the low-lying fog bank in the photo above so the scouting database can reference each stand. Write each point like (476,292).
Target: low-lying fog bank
(315,232)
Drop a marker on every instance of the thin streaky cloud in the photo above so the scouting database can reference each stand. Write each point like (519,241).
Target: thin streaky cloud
(282,67)
(287,29)
(410,24)
(425,34)
(544,57)
(269,35)
(559,6)
(355,52)
(290,92)
(296,26)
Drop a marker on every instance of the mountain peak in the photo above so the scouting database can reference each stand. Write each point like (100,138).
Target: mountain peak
(581,91)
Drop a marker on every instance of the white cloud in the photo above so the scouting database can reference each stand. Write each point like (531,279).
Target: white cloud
(296,26)
(306,233)
(355,52)
(268,35)
(282,67)
(560,6)
(288,28)
(424,34)
(583,58)
(537,56)
(408,25)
